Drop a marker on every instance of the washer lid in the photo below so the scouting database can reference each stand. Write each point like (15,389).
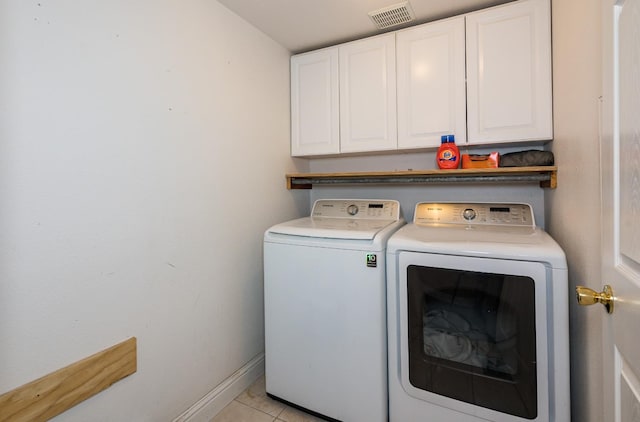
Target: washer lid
(356,219)
(332,228)
(502,242)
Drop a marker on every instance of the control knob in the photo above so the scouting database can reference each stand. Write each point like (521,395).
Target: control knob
(469,214)
(352,209)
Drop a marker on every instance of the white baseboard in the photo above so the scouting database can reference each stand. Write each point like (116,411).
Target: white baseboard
(211,404)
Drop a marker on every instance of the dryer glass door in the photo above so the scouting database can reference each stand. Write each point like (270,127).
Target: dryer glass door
(471,335)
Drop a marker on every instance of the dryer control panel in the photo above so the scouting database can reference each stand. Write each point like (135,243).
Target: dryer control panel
(483,213)
(357,209)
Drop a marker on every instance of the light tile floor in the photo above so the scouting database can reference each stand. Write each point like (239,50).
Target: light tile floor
(253,405)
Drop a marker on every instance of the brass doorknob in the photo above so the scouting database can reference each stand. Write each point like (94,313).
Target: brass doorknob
(587,296)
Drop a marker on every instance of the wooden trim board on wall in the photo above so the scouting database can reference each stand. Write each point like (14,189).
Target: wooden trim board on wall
(46,397)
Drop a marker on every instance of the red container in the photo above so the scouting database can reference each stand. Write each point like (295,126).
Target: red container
(448,156)
(473,161)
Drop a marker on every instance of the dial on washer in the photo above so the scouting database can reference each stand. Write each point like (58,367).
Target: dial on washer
(469,214)
(352,209)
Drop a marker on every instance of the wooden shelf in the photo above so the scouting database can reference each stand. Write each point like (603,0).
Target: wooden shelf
(546,176)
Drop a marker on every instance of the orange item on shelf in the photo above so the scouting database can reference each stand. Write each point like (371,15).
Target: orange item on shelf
(475,161)
(448,155)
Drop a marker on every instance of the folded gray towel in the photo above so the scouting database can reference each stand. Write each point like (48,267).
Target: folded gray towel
(526,158)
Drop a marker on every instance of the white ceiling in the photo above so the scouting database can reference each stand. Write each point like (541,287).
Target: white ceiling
(302,25)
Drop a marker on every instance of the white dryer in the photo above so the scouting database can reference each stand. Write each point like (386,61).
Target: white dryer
(325,316)
(477,304)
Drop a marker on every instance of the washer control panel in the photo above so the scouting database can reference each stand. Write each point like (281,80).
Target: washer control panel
(429,213)
(357,209)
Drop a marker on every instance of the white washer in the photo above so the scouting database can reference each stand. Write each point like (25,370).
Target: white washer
(477,305)
(325,316)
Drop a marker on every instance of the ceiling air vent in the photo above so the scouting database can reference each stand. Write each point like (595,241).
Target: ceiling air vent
(393,15)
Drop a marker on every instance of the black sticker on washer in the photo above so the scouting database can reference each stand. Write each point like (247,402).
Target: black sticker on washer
(372,260)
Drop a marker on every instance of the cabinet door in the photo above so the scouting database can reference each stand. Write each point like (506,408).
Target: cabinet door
(431,86)
(509,73)
(368,95)
(315,103)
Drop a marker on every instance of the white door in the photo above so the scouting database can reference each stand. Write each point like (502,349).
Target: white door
(368,94)
(314,103)
(621,207)
(431,85)
(509,73)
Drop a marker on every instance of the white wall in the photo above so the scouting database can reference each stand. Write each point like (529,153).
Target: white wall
(573,209)
(143,146)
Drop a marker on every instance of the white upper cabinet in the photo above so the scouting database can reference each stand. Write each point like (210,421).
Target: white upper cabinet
(368,95)
(349,98)
(431,83)
(509,73)
(314,103)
